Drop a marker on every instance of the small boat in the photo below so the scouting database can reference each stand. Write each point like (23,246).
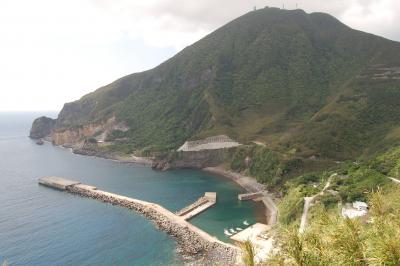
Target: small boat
(39,142)
(238,229)
(226,232)
(232,231)
(246,222)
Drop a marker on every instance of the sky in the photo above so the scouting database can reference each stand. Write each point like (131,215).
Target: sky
(54,51)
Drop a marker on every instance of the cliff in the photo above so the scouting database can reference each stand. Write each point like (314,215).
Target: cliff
(41,127)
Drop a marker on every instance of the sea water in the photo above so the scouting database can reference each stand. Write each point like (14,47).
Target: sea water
(42,226)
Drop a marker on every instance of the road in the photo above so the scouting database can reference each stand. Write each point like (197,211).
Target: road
(307,204)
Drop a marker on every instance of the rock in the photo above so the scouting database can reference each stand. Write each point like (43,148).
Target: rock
(42,127)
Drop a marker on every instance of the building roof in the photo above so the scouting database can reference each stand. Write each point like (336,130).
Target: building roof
(250,233)
(360,204)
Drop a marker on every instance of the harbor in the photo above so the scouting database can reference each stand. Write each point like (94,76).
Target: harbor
(190,238)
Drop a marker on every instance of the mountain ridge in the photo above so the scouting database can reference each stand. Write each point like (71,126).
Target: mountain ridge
(282,77)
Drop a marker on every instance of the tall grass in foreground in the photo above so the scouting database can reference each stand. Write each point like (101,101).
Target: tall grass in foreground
(248,253)
(333,240)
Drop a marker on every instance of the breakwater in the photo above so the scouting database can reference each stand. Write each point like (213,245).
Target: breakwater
(191,240)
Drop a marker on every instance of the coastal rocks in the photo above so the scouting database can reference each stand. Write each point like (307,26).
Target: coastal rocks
(190,243)
(42,127)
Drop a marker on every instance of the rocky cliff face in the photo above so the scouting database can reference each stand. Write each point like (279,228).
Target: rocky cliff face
(193,159)
(42,127)
(47,127)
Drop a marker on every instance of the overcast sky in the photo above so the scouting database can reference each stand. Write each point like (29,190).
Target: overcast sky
(54,51)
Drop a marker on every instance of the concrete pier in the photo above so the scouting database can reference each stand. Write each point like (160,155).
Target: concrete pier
(190,238)
(208,200)
(57,182)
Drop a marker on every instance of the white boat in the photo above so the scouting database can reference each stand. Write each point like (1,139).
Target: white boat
(238,229)
(246,222)
(232,231)
(226,232)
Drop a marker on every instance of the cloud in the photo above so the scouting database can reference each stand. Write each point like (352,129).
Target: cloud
(378,17)
(56,51)
(180,22)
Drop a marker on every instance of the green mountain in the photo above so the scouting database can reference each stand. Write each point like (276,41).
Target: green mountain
(300,83)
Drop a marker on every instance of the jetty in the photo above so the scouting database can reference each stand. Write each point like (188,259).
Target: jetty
(190,238)
(57,182)
(203,203)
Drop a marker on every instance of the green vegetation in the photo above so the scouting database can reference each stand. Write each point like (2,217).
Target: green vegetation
(388,163)
(291,207)
(91,140)
(332,240)
(359,181)
(261,163)
(269,167)
(302,83)
(248,253)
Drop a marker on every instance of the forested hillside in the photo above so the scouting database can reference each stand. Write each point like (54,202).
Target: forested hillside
(300,83)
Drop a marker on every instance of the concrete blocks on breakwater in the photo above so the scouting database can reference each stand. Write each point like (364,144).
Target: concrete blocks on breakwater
(191,240)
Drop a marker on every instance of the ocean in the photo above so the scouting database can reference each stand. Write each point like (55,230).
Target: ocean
(42,226)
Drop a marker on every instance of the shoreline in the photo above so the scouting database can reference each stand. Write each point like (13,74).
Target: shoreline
(251,185)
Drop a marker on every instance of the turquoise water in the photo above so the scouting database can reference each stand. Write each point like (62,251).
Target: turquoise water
(42,226)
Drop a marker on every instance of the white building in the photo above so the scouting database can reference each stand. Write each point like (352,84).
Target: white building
(353,213)
(357,209)
(359,205)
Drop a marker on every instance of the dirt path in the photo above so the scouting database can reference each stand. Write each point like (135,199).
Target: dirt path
(307,205)
(395,180)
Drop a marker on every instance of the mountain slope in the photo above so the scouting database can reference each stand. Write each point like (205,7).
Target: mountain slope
(299,82)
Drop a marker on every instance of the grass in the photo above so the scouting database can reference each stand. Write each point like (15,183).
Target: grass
(332,240)
(248,253)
